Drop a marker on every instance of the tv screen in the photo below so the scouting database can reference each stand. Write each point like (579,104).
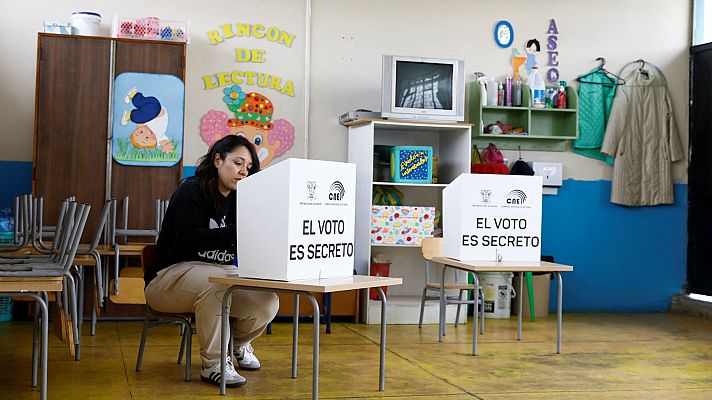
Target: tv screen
(423,88)
(423,85)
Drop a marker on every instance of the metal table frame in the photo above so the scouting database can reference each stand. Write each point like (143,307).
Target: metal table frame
(295,327)
(474,266)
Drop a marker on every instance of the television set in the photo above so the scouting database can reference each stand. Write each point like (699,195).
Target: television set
(423,88)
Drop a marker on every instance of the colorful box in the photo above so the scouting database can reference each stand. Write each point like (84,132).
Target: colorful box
(412,164)
(150,28)
(401,225)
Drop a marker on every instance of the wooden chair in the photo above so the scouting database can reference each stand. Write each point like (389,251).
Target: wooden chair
(433,247)
(155,318)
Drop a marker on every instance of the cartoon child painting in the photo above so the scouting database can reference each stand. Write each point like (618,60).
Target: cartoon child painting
(532,47)
(151,122)
(253,119)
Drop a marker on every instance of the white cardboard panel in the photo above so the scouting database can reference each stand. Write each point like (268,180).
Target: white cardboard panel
(493,218)
(296,221)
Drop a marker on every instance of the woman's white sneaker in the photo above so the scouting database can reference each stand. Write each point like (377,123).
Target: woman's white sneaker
(246,358)
(232,378)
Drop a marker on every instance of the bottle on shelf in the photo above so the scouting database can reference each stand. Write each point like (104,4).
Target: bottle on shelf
(517,91)
(500,94)
(491,92)
(537,88)
(508,91)
(562,95)
(483,90)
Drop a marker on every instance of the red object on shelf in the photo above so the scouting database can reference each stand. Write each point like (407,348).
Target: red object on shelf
(378,269)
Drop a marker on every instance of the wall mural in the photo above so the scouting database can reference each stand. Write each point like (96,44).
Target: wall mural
(255,101)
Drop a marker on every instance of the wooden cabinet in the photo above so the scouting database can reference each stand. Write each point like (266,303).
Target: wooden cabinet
(72,143)
(343,304)
(451,143)
(546,129)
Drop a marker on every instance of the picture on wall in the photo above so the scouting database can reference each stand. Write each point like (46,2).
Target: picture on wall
(147,125)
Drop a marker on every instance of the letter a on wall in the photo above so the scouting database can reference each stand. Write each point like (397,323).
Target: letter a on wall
(147,127)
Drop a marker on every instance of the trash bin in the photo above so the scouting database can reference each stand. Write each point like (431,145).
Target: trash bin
(378,269)
(498,292)
(541,296)
(5,309)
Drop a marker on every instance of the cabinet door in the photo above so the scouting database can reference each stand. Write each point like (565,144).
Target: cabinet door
(145,184)
(72,100)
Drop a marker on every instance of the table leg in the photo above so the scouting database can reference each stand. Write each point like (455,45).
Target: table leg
(116,269)
(476,282)
(382,369)
(559,313)
(35,345)
(44,324)
(224,335)
(295,335)
(441,320)
(315,356)
(519,306)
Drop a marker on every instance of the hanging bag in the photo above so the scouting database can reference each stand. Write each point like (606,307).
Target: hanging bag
(493,155)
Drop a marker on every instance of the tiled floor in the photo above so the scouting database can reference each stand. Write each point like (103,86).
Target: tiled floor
(605,356)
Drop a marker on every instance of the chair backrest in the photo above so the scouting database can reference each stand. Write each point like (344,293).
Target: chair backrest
(432,247)
(148,254)
(103,218)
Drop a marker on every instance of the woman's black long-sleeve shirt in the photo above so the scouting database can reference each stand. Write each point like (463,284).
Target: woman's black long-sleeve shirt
(192,230)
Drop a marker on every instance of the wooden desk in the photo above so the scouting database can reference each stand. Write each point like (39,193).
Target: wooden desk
(493,266)
(306,287)
(30,286)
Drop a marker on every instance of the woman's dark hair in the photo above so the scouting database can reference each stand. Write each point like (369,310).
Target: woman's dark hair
(534,42)
(207,173)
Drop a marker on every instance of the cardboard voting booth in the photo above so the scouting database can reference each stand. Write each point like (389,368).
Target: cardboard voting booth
(493,218)
(295,220)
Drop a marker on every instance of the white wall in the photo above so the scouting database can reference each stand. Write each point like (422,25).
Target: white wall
(348,39)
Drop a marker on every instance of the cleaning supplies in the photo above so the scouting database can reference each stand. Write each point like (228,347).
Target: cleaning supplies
(537,88)
(516,91)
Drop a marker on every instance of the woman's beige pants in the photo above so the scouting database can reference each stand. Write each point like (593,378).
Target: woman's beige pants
(184,287)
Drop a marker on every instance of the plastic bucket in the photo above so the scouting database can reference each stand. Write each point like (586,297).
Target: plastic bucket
(86,23)
(498,291)
(378,269)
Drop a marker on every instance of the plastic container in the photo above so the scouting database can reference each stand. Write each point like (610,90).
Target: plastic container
(498,291)
(86,23)
(58,27)
(517,91)
(150,28)
(537,89)
(5,309)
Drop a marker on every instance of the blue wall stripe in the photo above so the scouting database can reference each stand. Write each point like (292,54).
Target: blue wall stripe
(16,179)
(624,258)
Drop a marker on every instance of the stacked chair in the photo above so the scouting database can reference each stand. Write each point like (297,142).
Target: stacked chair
(55,264)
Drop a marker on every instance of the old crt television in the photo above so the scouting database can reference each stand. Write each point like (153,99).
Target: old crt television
(423,88)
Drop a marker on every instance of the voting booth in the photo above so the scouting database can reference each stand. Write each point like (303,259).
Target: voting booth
(493,218)
(295,220)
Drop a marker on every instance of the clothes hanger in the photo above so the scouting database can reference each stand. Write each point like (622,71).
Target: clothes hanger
(617,79)
(641,68)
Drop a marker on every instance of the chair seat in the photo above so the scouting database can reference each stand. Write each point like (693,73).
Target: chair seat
(462,286)
(155,313)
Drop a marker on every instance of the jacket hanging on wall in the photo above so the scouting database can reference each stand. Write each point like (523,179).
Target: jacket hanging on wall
(596,91)
(642,136)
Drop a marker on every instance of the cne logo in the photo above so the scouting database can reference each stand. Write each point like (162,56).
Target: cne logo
(336,191)
(516,197)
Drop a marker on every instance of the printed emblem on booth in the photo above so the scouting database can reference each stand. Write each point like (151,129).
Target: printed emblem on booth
(147,126)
